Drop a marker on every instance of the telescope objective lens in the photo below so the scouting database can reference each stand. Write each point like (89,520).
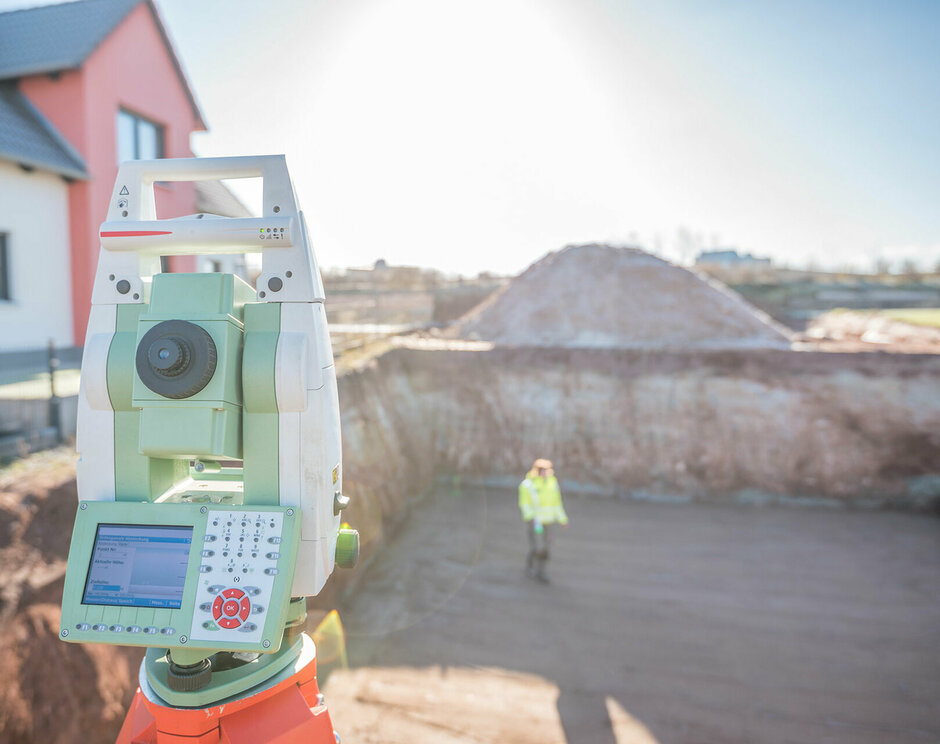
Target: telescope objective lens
(176,358)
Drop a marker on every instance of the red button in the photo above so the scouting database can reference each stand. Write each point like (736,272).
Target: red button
(233,594)
(217,608)
(246,608)
(230,608)
(230,622)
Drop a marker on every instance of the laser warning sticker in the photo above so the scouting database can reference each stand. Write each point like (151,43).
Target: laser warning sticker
(335,474)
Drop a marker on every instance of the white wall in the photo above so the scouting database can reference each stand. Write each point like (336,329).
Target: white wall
(34,214)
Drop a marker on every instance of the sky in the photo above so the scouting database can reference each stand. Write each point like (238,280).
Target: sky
(472,136)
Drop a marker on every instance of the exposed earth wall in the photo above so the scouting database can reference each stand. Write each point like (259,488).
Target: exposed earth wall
(743,425)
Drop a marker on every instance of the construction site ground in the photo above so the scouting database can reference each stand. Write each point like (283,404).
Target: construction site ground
(662,623)
(665,623)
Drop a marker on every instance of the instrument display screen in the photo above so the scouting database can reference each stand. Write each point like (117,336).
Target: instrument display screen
(138,565)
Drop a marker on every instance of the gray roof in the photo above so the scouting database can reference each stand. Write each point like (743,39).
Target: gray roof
(50,38)
(213,197)
(56,37)
(27,138)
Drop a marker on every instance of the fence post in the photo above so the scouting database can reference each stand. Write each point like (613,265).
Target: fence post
(55,416)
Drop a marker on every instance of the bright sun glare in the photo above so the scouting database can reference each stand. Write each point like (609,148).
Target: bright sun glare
(480,136)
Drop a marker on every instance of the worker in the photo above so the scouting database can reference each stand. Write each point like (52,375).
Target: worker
(541,507)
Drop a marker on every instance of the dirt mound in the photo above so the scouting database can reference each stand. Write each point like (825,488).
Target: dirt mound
(50,691)
(606,297)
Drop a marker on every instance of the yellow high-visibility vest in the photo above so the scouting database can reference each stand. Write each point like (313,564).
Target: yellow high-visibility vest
(540,498)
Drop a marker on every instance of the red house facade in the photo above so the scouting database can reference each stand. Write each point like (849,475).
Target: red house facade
(111,85)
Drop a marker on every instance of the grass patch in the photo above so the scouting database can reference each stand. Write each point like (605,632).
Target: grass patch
(922,316)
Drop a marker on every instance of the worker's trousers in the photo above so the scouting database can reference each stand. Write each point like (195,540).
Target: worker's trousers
(538,549)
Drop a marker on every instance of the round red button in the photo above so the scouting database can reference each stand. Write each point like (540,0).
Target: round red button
(231,608)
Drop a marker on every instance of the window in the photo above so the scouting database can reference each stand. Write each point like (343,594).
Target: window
(138,138)
(4,268)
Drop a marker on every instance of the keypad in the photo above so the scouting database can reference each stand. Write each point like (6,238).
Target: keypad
(236,579)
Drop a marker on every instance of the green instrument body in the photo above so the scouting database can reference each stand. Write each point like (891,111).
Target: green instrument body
(210,455)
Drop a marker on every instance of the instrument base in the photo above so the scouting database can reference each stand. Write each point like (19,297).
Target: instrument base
(286,709)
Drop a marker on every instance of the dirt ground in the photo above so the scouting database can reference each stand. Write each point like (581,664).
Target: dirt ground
(50,691)
(663,623)
(852,331)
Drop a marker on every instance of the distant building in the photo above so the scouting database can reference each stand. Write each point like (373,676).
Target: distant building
(83,86)
(382,273)
(729,258)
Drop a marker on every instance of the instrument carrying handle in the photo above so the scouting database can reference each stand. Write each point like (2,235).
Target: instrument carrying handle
(133,238)
(133,200)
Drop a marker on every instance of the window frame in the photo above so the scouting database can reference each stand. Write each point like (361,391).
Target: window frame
(137,120)
(6,276)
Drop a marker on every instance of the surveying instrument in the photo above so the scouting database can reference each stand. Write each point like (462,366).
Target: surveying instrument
(210,465)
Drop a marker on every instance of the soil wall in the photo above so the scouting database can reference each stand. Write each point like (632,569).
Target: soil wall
(741,425)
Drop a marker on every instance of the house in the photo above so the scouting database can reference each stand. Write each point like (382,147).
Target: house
(730,258)
(83,86)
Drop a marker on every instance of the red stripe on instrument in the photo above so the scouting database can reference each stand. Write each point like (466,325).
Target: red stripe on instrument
(133,233)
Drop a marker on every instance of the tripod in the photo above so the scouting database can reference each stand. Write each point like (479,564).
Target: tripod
(286,709)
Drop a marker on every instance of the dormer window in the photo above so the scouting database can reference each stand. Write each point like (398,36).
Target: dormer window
(138,138)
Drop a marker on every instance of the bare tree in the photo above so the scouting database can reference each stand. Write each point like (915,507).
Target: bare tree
(882,266)
(909,270)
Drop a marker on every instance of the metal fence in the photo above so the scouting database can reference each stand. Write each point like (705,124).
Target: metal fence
(38,398)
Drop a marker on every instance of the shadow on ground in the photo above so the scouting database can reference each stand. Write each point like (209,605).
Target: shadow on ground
(662,623)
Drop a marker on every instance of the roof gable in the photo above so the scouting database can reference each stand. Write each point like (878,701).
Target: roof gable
(50,38)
